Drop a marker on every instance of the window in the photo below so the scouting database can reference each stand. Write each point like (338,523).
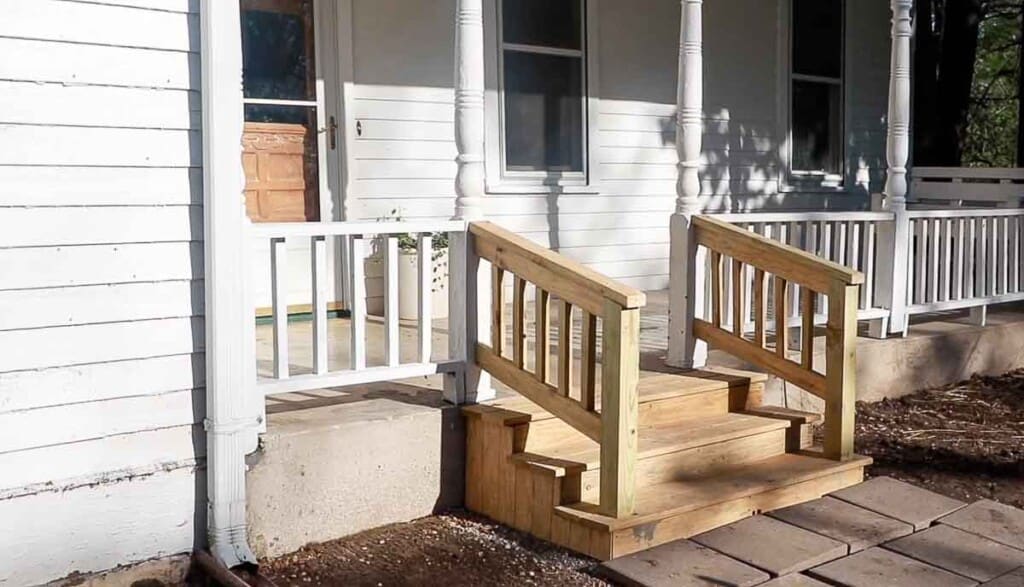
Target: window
(543,79)
(816,91)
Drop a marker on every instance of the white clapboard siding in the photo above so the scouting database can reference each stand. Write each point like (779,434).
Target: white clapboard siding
(98,527)
(69,145)
(94,343)
(404,110)
(100,186)
(75,306)
(81,22)
(403,188)
(40,227)
(407,130)
(498,207)
(59,104)
(406,92)
(168,5)
(402,150)
(73,63)
(569,237)
(596,221)
(68,466)
(77,422)
(78,384)
(370,169)
(99,264)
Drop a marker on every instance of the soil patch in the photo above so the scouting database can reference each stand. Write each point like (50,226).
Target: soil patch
(965,441)
(450,550)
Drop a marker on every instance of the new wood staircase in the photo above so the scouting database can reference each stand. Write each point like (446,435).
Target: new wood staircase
(606,462)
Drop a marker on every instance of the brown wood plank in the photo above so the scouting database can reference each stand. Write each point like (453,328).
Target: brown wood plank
(518,321)
(760,304)
(543,505)
(542,336)
(807,328)
(565,348)
(497,309)
(738,292)
(588,362)
(782,311)
(716,288)
(620,372)
(841,372)
(523,519)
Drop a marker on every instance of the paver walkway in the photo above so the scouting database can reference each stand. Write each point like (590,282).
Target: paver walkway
(880,533)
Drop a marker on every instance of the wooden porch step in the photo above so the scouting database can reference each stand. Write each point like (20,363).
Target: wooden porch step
(699,502)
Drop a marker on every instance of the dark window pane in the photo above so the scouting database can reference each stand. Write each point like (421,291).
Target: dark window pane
(543,112)
(279,156)
(818,37)
(277,51)
(817,124)
(544,23)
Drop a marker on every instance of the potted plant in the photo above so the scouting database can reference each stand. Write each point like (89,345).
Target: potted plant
(408,275)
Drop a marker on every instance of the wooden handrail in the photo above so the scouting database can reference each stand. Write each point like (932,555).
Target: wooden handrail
(617,306)
(790,268)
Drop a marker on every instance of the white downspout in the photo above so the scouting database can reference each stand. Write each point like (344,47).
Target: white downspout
(232,415)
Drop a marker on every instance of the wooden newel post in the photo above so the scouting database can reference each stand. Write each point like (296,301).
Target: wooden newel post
(620,374)
(841,371)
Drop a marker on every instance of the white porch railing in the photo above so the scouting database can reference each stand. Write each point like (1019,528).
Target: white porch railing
(356,235)
(967,187)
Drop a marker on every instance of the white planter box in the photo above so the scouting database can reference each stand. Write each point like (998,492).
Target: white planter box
(408,290)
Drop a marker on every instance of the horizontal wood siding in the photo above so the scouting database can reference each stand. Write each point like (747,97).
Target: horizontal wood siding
(101,295)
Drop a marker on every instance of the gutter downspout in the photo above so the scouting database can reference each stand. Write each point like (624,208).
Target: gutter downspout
(233,415)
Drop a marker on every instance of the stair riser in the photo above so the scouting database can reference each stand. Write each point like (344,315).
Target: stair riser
(686,525)
(677,466)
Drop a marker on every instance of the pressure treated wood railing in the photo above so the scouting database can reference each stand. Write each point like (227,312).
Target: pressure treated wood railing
(605,410)
(777,268)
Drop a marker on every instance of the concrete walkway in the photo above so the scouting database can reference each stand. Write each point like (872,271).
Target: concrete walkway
(879,533)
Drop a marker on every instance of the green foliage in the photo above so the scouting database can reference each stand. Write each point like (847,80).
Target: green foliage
(991,137)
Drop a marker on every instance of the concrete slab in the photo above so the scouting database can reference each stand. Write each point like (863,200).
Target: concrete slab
(878,567)
(857,527)
(1012,579)
(902,501)
(772,546)
(992,520)
(681,563)
(795,581)
(960,552)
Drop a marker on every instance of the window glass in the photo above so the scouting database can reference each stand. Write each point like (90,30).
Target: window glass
(818,38)
(277,49)
(543,113)
(545,23)
(816,124)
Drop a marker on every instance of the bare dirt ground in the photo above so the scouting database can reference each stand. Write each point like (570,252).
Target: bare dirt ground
(451,550)
(965,440)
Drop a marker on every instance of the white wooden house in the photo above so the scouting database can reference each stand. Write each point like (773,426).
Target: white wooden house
(128,396)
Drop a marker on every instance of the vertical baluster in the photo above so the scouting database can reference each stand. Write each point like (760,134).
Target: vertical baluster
(970,258)
(807,328)
(318,270)
(840,249)
(825,252)
(391,341)
(933,261)
(781,316)
(497,309)
(945,251)
(1014,254)
(588,362)
(1004,239)
(868,289)
(980,268)
(564,348)
(716,288)
(993,256)
(957,278)
(921,258)
(425,295)
(279,304)
(738,295)
(518,321)
(760,306)
(542,342)
(357,260)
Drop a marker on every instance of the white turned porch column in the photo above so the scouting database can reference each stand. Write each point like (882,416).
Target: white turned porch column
(470,286)
(686,273)
(233,410)
(895,238)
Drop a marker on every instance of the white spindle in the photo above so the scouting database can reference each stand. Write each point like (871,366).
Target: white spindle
(425,277)
(1014,255)
(958,277)
(357,259)
(933,261)
(279,304)
(992,260)
(970,258)
(391,330)
(981,269)
(868,289)
(945,264)
(318,267)
(1002,256)
(921,260)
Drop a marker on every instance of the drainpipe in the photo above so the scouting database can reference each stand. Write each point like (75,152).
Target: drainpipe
(233,414)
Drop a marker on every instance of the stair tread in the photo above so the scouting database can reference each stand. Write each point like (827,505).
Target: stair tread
(651,388)
(572,447)
(656,502)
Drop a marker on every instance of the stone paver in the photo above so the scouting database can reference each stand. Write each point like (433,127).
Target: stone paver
(681,563)
(858,527)
(899,500)
(878,567)
(1011,579)
(771,545)
(960,552)
(796,580)
(990,519)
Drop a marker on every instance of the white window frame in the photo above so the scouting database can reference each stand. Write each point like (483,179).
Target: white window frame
(801,180)
(498,179)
